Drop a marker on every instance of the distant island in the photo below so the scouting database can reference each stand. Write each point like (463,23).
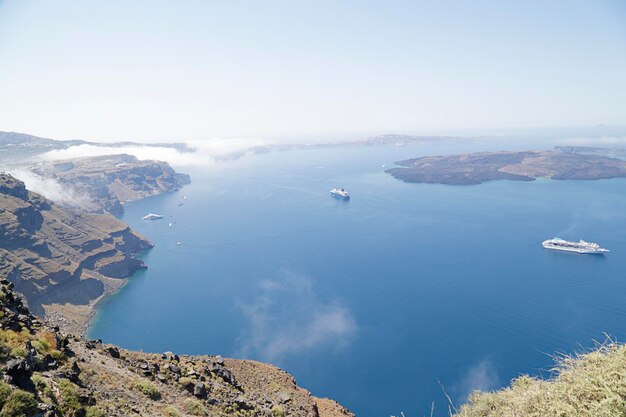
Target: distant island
(392,139)
(476,168)
(23,145)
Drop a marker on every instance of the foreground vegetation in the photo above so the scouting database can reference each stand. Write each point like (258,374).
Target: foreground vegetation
(47,373)
(591,384)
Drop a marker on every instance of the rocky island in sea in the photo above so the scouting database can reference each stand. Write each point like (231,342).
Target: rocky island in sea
(479,167)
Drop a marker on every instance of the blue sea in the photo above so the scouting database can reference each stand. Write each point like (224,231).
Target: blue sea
(381,301)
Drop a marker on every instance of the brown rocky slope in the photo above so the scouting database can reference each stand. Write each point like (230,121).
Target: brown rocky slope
(62,261)
(112,180)
(48,373)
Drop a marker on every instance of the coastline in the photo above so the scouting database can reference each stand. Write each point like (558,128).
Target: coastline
(77,319)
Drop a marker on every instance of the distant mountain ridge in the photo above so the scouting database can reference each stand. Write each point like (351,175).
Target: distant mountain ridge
(16,138)
(21,147)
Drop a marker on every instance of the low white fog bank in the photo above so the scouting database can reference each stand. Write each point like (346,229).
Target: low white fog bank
(204,152)
(53,190)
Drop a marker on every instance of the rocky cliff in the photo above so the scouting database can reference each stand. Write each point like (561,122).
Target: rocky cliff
(48,373)
(111,180)
(62,261)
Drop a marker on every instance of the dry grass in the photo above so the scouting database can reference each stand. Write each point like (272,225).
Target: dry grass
(585,385)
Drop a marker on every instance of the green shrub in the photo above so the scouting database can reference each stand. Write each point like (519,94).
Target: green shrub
(57,355)
(41,346)
(149,390)
(278,412)
(18,352)
(194,407)
(15,339)
(5,351)
(70,404)
(41,384)
(5,393)
(19,404)
(187,383)
(94,411)
(172,412)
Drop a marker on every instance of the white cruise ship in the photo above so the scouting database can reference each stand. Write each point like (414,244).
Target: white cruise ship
(577,247)
(151,216)
(340,193)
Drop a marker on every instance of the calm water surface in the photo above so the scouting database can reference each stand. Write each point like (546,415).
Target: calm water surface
(374,301)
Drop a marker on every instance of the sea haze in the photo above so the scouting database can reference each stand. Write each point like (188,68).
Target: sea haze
(377,301)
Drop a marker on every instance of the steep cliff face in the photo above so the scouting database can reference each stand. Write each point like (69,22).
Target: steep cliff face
(56,257)
(50,374)
(111,180)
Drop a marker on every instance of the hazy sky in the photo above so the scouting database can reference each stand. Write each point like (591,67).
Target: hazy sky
(154,70)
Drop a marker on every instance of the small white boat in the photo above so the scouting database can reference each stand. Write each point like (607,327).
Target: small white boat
(170,225)
(179,243)
(340,193)
(152,216)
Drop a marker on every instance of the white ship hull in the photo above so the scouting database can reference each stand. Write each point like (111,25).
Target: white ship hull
(152,216)
(340,194)
(574,248)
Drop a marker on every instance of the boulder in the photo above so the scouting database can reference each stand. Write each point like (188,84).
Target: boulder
(199,390)
(113,351)
(20,371)
(283,397)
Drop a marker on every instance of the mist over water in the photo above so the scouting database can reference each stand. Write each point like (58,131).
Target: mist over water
(376,301)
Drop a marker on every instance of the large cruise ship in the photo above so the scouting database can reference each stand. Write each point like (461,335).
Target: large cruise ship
(577,247)
(340,193)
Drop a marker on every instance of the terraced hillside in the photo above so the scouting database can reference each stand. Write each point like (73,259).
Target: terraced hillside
(62,261)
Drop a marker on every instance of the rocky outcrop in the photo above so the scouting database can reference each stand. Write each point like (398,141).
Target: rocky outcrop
(110,181)
(476,168)
(57,257)
(49,373)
